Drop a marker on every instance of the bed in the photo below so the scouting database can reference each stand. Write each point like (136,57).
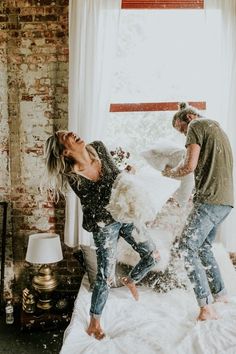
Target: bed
(157,323)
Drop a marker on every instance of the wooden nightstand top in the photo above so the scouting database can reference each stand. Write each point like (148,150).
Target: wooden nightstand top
(58,316)
(44,320)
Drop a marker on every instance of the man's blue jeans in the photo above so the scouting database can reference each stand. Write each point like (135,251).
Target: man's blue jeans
(106,244)
(195,246)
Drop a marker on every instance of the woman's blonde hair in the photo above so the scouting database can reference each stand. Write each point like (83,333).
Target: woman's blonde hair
(59,167)
(184,110)
(56,167)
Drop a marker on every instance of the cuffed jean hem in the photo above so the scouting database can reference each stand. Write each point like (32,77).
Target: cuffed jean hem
(223,292)
(204,301)
(94,315)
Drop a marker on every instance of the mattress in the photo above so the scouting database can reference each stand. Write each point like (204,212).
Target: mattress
(157,323)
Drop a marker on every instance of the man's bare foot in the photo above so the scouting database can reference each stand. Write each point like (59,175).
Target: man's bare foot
(223,298)
(95,329)
(207,313)
(131,286)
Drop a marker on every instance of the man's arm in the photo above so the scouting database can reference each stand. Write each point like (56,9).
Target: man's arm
(190,163)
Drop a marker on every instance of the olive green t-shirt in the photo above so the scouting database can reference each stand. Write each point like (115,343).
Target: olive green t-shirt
(214,171)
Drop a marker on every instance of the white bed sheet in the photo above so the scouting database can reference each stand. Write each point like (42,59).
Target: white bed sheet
(157,323)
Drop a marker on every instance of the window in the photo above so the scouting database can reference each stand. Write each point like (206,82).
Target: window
(163,57)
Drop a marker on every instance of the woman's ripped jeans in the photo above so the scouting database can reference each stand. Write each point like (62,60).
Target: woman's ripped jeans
(106,244)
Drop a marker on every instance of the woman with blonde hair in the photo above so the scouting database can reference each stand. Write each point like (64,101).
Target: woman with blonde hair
(90,171)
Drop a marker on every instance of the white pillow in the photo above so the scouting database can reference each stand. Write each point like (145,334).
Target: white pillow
(184,192)
(166,153)
(90,260)
(163,240)
(138,198)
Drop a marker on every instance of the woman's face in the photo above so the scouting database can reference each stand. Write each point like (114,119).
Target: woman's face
(71,142)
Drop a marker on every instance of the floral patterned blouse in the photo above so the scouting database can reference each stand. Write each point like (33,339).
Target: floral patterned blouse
(94,196)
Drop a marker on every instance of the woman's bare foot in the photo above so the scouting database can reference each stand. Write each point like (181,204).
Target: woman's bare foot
(131,286)
(207,313)
(95,329)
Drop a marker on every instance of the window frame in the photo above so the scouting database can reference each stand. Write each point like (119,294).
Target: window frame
(149,107)
(165,5)
(162,4)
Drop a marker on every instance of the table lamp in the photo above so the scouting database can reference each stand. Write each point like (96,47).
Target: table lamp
(44,248)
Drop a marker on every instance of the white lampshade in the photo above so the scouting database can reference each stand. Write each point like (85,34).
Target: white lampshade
(44,248)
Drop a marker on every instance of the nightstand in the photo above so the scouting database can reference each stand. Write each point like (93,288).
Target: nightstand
(45,320)
(58,316)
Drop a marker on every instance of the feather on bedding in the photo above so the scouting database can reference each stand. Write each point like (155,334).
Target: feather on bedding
(157,323)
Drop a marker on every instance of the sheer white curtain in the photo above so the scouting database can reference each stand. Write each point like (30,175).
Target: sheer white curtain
(223,104)
(92,44)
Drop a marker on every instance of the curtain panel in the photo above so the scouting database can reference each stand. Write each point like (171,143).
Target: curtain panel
(93,34)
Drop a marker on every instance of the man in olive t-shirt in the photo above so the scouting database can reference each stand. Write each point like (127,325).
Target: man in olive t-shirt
(213,173)
(209,155)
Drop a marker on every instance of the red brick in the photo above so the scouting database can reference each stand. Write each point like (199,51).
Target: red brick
(3,18)
(45,18)
(26,98)
(28,18)
(52,219)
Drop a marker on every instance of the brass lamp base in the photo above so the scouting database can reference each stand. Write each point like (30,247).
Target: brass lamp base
(44,283)
(44,304)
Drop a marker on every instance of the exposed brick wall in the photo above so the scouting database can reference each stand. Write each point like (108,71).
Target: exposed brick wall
(33,99)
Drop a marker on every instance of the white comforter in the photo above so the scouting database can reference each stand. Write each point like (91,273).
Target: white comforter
(157,323)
